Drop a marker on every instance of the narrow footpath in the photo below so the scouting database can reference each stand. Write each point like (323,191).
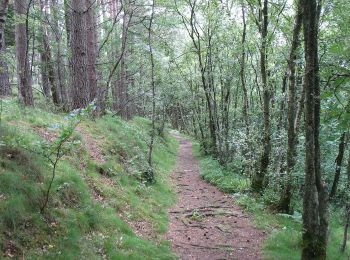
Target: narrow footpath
(205,223)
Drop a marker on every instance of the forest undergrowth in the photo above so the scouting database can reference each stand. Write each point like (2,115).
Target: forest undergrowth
(284,231)
(100,206)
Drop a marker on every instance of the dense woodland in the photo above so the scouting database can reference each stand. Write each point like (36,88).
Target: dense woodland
(262,85)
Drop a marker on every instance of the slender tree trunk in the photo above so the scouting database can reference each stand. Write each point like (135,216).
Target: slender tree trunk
(122,84)
(338,164)
(25,91)
(284,205)
(5,87)
(300,109)
(48,71)
(79,62)
(153,89)
(245,93)
(60,70)
(347,210)
(91,48)
(196,40)
(259,180)
(315,221)
(102,91)
(345,235)
(44,58)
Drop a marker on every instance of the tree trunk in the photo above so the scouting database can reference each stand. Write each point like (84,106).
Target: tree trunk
(338,164)
(60,70)
(300,109)
(5,87)
(81,95)
(347,210)
(121,92)
(25,92)
(153,89)
(245,94)
(259,180)
(91,48)
(284,204)
(48,71)
(315,222)
(67,19)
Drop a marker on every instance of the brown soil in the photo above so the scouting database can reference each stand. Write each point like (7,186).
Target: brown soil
(205,223)
(92,146)
(47,135)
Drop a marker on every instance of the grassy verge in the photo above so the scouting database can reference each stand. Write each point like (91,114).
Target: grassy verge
(284,231)
(98,197)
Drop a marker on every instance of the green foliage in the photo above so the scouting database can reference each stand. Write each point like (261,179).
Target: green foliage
(283,231)
(90,208)
(226,180)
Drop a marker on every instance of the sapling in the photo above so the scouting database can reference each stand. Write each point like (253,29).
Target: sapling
(347,211)
(149,175)
(55,151)
(0,112)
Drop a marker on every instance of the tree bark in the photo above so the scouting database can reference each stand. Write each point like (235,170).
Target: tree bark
(79,62)
(122,82)
(315,221)
(60,70)
(91,48)
(48,71)
(245,92)
(5,87)
(347,210)
(259,180)
(338,164)
(284,204)
(153,89)
(25,92)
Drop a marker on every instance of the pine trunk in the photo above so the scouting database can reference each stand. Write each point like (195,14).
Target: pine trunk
(5,87)
(91,48)
(60,70)
(25,92)
(79,62)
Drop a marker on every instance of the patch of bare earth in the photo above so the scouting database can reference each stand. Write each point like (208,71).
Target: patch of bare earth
(142,228)
(205,223)
(46,134)
(92,146)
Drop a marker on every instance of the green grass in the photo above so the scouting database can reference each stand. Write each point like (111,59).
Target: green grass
(76,225)
(283,240)
(218,175)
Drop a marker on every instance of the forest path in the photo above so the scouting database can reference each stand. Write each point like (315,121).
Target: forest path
(205,223)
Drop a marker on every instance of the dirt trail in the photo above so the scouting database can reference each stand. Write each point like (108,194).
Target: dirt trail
(205,223)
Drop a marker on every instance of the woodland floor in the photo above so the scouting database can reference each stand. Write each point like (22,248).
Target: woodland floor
(205,223)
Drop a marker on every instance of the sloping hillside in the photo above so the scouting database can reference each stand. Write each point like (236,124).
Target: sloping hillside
(100,205)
